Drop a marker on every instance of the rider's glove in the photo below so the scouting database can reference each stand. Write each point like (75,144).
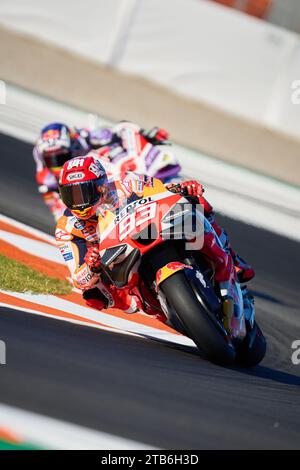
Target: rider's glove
(191,188)
(93,259)
(156,135)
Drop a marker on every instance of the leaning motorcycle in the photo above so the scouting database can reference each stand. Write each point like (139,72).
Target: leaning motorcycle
(151,244)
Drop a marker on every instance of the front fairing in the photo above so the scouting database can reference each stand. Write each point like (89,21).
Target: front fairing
(133,215)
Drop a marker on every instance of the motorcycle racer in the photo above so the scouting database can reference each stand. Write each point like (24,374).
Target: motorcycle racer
(131,148)
(87,194)
(58,143)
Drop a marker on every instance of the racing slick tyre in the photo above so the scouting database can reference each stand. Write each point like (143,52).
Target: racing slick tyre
(196,320)
(253,349)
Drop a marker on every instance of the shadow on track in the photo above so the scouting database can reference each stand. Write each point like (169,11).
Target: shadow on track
(264,372)
(260,371)
(267,297)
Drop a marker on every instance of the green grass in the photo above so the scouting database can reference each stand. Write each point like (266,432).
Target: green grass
(4,445)
(18,277)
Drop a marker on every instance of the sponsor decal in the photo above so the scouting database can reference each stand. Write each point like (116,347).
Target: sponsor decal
(136,219)
(84,278)
(96,168)
(66,252)
(51,134)
(130,208)
(64,248)
(62,235)
(140,186)
(68,256)
(175,265)
(200,276)
(148,180)
(89,231)
(92,238)
(168,270)
(79,224)
(75,176)
(75,163)
(114,255)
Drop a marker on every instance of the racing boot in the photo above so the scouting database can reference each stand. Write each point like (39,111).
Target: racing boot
(94,298)
(100,298)
(150,304)
(222,260)
(244,271)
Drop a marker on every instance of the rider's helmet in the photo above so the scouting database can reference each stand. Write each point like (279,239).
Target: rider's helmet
(54,145)
(82,185)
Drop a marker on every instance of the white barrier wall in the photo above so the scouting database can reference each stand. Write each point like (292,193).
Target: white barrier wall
(196,47)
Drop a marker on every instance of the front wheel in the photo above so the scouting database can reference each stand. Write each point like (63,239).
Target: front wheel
(196,320)
(253,349)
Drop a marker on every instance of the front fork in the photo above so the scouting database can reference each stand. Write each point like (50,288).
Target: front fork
(249,307)
(238,309)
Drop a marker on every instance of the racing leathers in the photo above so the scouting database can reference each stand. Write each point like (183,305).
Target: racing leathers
(78,242)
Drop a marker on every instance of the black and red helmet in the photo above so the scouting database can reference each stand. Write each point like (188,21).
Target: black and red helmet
(82,184)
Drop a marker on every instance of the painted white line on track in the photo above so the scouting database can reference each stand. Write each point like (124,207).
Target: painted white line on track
(112,322)
(33,247)
(51,433)
(69,320)
(104,318)
(28,229)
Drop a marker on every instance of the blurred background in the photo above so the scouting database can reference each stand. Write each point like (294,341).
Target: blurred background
(221,75)
(284,13)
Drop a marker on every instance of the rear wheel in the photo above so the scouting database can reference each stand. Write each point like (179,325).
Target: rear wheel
(196,320)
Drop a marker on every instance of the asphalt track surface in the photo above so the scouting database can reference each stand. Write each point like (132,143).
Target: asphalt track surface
(163,395)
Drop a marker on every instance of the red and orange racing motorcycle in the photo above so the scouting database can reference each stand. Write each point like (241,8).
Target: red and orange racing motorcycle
(152,244)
